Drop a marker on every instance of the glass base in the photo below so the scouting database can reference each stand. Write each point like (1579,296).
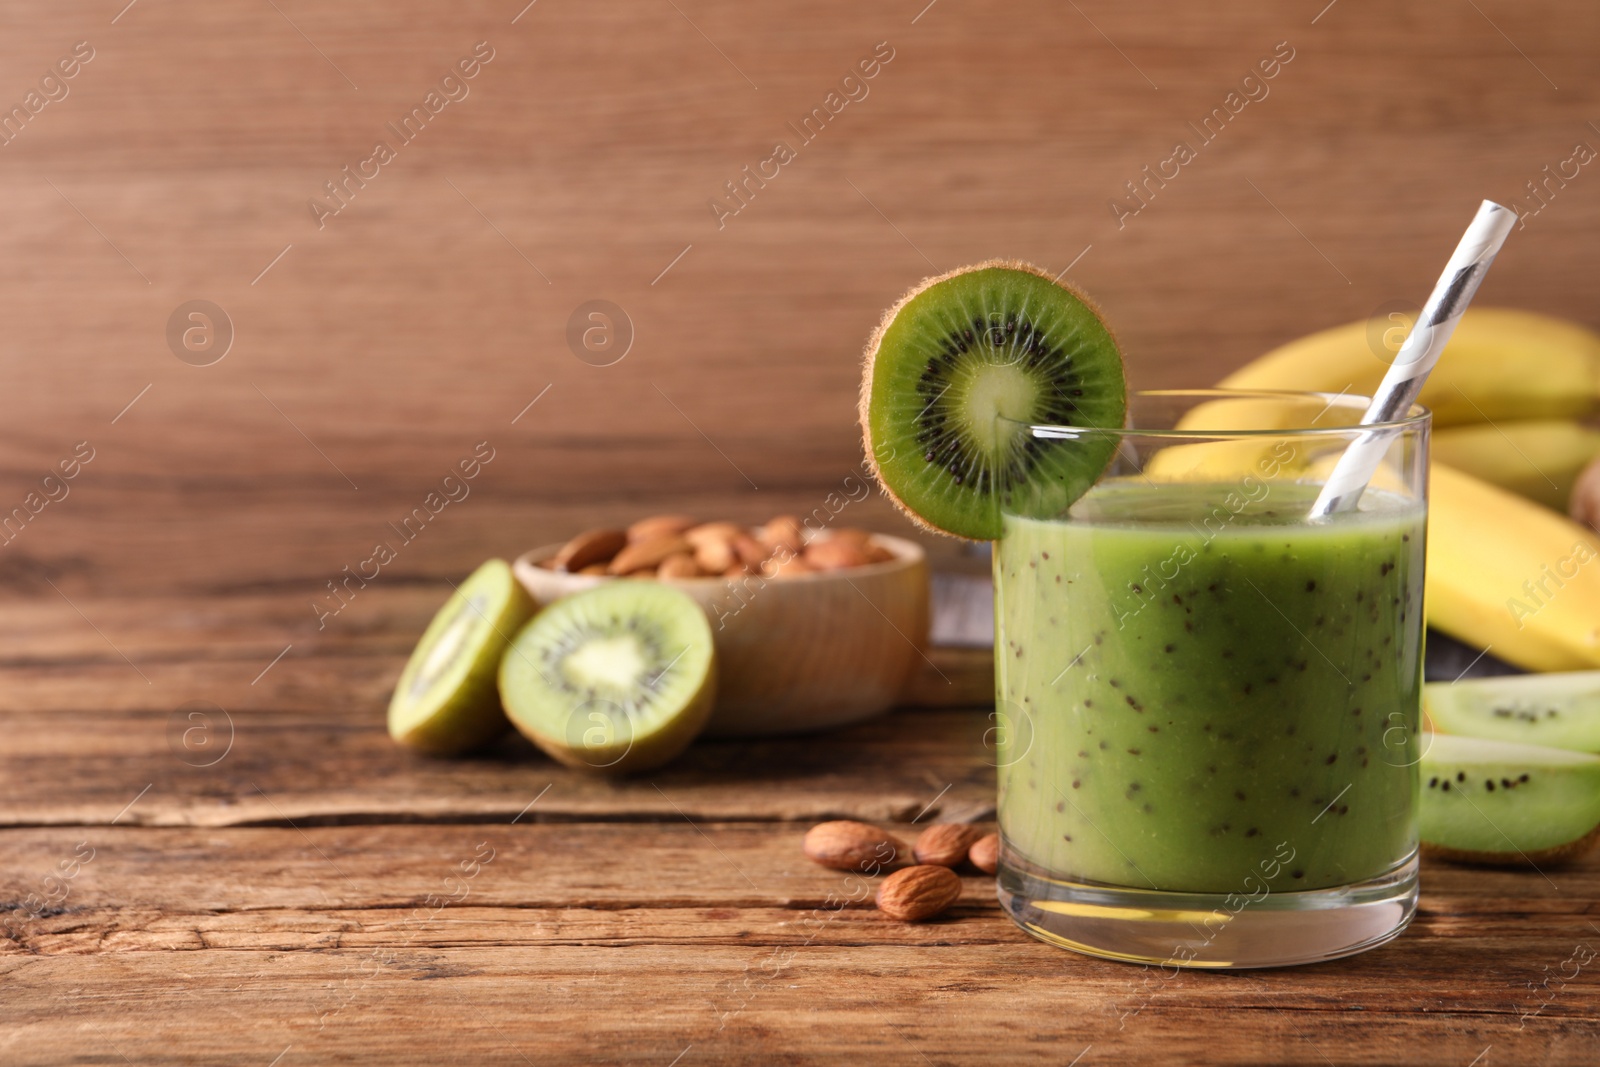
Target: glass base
(1210,930)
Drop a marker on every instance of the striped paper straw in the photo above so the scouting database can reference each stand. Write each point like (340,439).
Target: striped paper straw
(1416,358)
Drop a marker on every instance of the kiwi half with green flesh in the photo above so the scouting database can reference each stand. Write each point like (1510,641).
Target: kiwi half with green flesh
(446,701)
(996,339)
(1503,803)
(615,679)
(1561,710)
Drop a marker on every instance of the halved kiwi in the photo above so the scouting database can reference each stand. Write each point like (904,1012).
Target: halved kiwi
(1561,710)
(617,678)
(996,339)
(446,701)
(1503,803)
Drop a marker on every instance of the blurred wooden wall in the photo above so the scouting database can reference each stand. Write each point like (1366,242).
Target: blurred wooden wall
(373,349)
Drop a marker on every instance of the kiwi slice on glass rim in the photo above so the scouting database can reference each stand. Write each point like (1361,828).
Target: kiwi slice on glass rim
(615,679)
(999,339)
(446,701)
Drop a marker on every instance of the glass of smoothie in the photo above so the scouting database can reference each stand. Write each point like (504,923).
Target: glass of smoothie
(1210,701)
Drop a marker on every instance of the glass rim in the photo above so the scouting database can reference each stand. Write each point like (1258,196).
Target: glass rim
(1417,416)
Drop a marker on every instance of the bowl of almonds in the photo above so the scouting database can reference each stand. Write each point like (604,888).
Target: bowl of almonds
(814,627)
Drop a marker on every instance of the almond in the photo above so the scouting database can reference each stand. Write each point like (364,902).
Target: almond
(714,555)
(847,845)
(835,554)
(782,565)
(918,893)
(782,532)
(591,546)
(985,853)
(752,553)
(714,531)
(680,566)
(659,526)
(945,844)
(643,555)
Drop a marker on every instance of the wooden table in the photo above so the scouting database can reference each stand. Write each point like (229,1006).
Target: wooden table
(315,895)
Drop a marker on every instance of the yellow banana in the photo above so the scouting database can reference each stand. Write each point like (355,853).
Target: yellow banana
(1535,458)
(1502,363)
(1510,575)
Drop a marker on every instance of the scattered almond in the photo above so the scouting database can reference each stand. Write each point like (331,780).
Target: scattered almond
(985,853)
(782,532)
(918,893)
(835,554)
(847,845)
(643,555)
(945,844)
(659,526)
(591,546)
(680,566)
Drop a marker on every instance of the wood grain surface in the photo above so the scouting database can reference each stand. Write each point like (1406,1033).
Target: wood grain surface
(282,904)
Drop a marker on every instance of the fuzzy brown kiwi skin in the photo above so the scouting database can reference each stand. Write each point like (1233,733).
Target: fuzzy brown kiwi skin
(870,359)
(1545,856)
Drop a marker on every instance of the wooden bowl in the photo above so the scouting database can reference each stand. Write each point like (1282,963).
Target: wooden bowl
(795,654)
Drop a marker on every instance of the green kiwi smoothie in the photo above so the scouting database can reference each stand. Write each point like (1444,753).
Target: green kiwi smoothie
(1206,688)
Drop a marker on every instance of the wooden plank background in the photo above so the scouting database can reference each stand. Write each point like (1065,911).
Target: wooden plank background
(267,906)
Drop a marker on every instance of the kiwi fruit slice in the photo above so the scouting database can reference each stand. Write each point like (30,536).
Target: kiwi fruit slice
(446,701)
(1503,803)
(615,679)
(1561,710)
(997,339)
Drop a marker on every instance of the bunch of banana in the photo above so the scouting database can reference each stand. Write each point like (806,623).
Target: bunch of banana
(1507,570)
(1502,364)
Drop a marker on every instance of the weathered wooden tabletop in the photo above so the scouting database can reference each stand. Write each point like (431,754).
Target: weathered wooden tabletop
(286,887)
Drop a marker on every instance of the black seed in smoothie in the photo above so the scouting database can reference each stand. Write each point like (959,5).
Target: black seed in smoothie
(1238,794)
(1044,555)
(1445,785)
(1294,790)
(1136,587)
(1148,809)
(1251,832)
(1061,805)
(1115,684)
(1318,621)
(1075,784)
(1169,649)
(1311,586)
(1082,754)
(1133,787)
(1524,778)
(1331,758)
(1102,746)
(1134,704)
(1134,752)
(1461,776)
(1297,874)
(1290,731)
(1359,595)
(1344,809)
(1067,838)
(1153,729)
(1405,537)
(1248,688)
(1385,568)
(1088,703)
(1355,711)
